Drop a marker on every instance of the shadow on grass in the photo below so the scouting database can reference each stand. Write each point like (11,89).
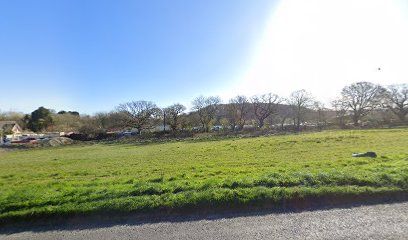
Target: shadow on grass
(144,142)
(109,219)
(211,137)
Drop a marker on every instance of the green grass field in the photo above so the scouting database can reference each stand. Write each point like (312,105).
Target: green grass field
(192,174)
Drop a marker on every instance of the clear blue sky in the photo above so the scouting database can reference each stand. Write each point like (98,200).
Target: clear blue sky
(89,56)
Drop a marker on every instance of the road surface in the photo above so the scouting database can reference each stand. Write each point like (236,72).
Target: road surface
(384,221)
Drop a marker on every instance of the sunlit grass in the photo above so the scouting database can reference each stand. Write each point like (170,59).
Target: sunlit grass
(188,174)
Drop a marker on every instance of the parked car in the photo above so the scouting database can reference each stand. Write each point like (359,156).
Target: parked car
(197,129)
(217,128)
(127,134)
(26,140)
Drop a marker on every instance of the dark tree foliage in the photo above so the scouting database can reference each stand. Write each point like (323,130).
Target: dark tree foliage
(39,120)
(75,113)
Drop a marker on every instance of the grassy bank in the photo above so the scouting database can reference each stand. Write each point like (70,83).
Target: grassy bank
(187,174)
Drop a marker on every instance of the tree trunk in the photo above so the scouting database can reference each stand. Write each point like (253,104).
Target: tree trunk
(282,123)
(298,125)
(261,123)
(203,126)
(355,120)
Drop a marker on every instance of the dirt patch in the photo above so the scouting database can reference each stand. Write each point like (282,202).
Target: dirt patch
(59,141)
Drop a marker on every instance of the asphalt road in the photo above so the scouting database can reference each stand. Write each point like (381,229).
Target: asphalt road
(386,221)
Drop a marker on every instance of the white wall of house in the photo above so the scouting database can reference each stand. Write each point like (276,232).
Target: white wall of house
(160,128)
(16,129)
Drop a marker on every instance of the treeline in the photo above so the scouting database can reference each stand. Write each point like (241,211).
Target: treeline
(362,104)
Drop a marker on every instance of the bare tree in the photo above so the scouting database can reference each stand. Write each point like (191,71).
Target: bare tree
(396,100)
(361,98)
(90,127)
(173,115)
(320,111)
(300,101)
(263,106)
(139,113)
(66,122)
(206,108)
(341,111)
(185,121)
(284,112)
(237,110)
(112,120)
(14,116)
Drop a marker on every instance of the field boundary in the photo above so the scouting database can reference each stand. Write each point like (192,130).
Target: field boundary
(71,221)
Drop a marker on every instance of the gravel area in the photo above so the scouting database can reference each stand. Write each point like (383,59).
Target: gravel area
(384,221)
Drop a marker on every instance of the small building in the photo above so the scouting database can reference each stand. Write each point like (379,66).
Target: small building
(10,127)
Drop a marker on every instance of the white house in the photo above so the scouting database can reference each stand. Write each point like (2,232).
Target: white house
(9,128)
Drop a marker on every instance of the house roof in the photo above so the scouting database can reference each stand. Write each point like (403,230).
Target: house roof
(8,125)
(4,123)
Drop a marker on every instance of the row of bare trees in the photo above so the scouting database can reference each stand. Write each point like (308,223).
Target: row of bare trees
(143,115)
(356,103)
(362,98)
(266,106)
